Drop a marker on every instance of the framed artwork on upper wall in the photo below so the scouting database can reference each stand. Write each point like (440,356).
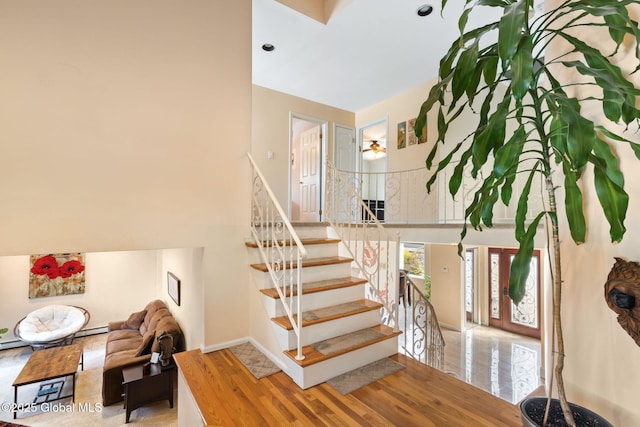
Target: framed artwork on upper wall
(412,138)
(411,134)
(173,287)
(402,135)
(53,275)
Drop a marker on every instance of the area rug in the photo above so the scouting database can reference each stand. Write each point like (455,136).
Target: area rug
(344,342)
(353,380)
(256,362)
(6,424)
(335,310)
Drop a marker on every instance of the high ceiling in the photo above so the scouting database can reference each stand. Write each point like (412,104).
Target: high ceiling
(368,51)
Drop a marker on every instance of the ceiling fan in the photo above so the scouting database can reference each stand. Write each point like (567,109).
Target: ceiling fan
(375,147)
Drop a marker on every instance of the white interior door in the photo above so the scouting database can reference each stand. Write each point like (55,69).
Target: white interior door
(347,153)
(310,142)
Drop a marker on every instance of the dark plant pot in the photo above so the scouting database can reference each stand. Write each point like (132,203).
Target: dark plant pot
(532,411)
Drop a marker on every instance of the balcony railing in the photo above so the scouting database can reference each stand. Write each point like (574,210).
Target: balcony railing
(366,240)
(402,198)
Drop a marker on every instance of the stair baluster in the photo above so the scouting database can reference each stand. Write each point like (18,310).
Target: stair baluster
(280,248)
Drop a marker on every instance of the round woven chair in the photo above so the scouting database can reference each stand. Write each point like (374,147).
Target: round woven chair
(51,326)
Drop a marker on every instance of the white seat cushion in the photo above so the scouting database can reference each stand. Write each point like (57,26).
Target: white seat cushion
(51,323)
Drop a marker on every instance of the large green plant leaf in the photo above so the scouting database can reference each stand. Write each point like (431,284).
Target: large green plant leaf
(604,157)
(573,203)
(523,203)
(614,201)
(443,164)
(613,136)
(521,263)
(577,131)
(619,93)
(615,15)
(436,93)
(464,71)
(513,25)
(509,154)
(522,68)
(550,123)
(491,137)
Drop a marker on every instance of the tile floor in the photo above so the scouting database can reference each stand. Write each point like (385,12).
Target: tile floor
(504,364)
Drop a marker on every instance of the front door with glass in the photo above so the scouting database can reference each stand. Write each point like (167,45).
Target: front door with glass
(524,318)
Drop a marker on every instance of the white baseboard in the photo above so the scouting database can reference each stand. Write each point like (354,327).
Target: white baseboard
(223,345)
(83,333)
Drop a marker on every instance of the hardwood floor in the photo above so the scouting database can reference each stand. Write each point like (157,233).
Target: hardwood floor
(415,396)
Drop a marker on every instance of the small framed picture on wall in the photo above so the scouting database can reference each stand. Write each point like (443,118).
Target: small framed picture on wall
(173,287)
(402,135)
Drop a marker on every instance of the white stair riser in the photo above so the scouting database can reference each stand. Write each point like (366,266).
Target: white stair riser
(323,250)
(311,232)
(330,368)
(325,330)
(313,251)
(309,274)
(306,232)
(316,300)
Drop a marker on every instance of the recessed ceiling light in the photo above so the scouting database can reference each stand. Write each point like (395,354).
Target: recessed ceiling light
(425,10)
(268,47)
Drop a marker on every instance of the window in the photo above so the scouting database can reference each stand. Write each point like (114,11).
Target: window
(412,258)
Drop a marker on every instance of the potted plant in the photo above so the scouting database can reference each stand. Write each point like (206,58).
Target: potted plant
(532,124)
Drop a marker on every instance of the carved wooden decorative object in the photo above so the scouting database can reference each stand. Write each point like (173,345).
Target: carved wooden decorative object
(622,292)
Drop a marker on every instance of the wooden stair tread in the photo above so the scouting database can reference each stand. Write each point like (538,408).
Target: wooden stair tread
(318,286)
(312,356)
(288,242)
(310,262)
(326,314)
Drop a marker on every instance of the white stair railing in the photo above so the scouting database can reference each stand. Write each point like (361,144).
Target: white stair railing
(423,338)
(365,239)
(280,249)
(402,196)
(377,257)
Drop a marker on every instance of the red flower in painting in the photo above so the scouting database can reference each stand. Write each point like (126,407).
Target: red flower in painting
(46,265)
(70,268)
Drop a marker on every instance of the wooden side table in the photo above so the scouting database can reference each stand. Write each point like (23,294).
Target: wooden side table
(141,389)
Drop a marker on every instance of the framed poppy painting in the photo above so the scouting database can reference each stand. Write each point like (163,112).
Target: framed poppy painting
(53,275)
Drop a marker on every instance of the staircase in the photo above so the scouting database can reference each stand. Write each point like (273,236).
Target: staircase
(340,329)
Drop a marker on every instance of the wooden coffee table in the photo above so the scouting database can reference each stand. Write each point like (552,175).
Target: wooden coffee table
(49,364)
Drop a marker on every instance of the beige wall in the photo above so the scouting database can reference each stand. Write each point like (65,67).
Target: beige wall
(271,128)
(446,284)
(396,109)
(602,370)
(128,278)
(186,265)
(124,125)
(603,362)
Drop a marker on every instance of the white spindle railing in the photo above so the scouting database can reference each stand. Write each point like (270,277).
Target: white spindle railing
(401,197)
(423,338)
(377,258)
(280,248)
(365,239)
